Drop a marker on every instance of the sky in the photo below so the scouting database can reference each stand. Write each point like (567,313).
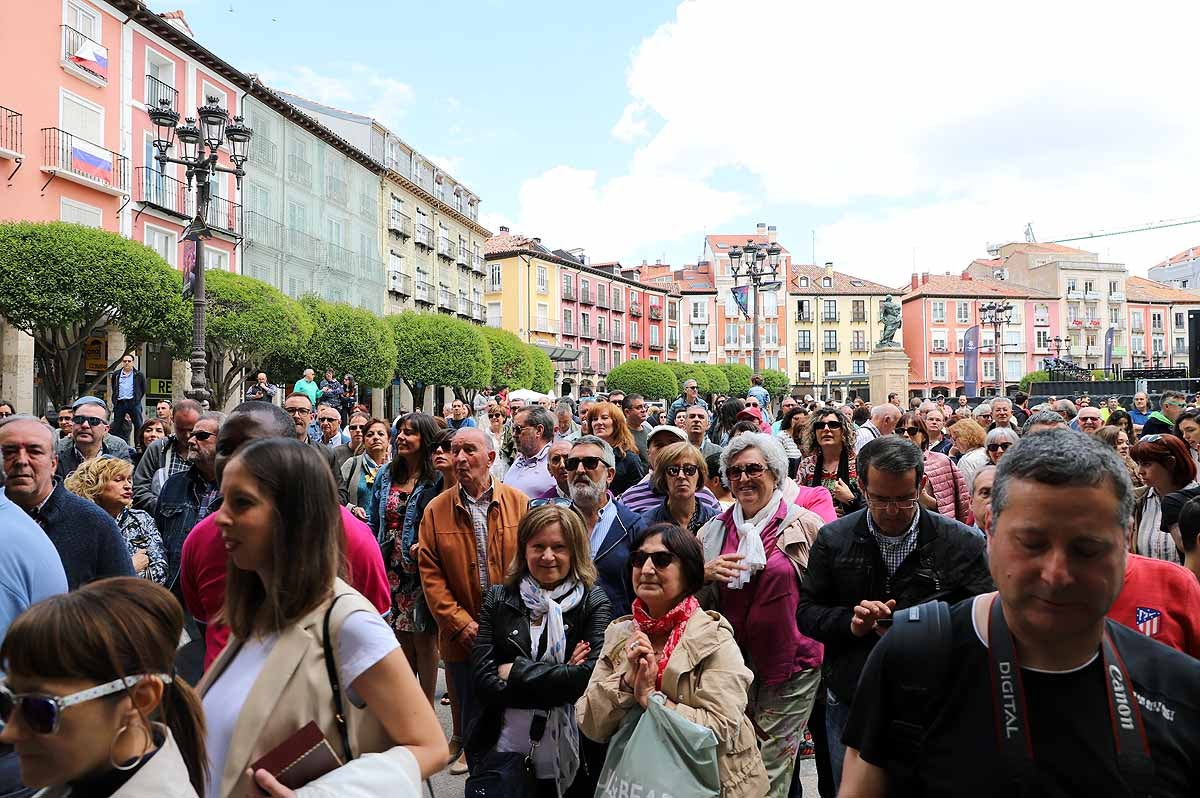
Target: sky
(884,138)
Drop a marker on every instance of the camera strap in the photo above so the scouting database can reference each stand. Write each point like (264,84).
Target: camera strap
(1134,760)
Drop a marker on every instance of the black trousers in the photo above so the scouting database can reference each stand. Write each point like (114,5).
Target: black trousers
(121,409)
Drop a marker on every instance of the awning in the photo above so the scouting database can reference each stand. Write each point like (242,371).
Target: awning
(560,354)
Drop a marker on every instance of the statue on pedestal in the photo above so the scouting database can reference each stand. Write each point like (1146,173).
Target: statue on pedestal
(890,318)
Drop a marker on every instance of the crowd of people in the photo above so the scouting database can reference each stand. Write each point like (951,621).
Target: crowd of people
(580,566)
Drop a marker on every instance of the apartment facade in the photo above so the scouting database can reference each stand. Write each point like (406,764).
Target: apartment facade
(698,307)
(1158,323)
(1180,271)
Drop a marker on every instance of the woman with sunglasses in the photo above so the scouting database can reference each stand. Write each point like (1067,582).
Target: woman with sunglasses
(358,474)
(90,701)
(999,441)
(671,647)
(944,489)
(679,472)
(830,462)
(355,430)
(107,483)
(402,491)
(495,430)
(608,423)
(540,634)
(442,460)
(755,554)
(1167,468)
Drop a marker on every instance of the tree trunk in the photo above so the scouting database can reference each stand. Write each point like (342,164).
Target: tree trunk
(417,389)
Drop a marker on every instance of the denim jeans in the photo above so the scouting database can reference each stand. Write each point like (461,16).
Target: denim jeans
(464,688)
(837,715)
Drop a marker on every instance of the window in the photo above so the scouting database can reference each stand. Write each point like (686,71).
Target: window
(826,282)
(600,327)
(959,340)
(336,231)
(493,314)
(494,281)
(396,263)
(77,213)
(1114,315)
(1114,286)
(770,335)
(568,281)
(601,294)
(964,312)
(633,332)
(673,311)
(858,308)
(1158,344)
(84,19)
(1012,341)
(989,369)
(297,216)
(568,321)
(584,287)
(962,370)
(1156,321)
(829,310)
(209,90)
(585,323)
(603,360)
(216,259)
(804,340)
(803,310)
(163,242)
(770,304)
(1043,339)
(616,303)
(858,341)
(161,69)
(858,367)
(700,338)
(1180,321)
(397,205)
(1137,345)
(938,340)
(81,118)
(543,316)
(830,367)
(616,358)
(1071,284)
(802,282)
(672,338)
(542,280)
(654,335)
(939,312)
(731,334)
(699,311)
(1135,319)
(1180,346)
(829,341)
(804,368)
(1012,369)
(939,369)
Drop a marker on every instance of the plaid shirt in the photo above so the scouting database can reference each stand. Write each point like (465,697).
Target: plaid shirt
(478,508)
(895,550)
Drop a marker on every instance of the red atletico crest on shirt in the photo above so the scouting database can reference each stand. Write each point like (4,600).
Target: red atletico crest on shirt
(1147,620)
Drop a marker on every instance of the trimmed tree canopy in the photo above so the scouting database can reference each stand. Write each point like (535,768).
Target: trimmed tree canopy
(543,370)
(652,380)
(435,349)
(776,382)
(60,282)
(738,376)
(347,339)
(717,380)
(511,365)
(689,371)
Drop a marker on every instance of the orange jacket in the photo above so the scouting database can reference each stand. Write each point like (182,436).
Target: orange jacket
(447,555)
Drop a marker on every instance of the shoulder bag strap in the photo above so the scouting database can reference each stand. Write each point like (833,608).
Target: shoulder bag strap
(335,687)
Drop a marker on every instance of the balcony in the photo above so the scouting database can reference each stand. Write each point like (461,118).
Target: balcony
(635,309)
(834,317)
(400,283)
(445,249)
(262,231)
(300,244)
(545,326)
(1092,322)
(1156,328)
(1091,296)
(1075,296)
(618,335)
(672,344)
(602,300)
(568,327)
(477,313)
(804,316)
(618,304)
(224,216)
(804,346)
(656,346)
(635,342)
(858,346)
(699,346)
(655,313)
(464,306)
(299,170)
(1179,350)
(464,256)
(585,296)
(157,91)
(939,348)
(1117,324)
(828,347)
(858,317)
(601,334)
(1078,350)
(400,224)
(424,292)
(337,189)
(11,134)
(445,300)
(264,152)
(83,162)
(478,264)
(157,190)
(83,57)
(424,236)
(1118,351)
(339,258)
(1116,296)
(568,292)
(585,331)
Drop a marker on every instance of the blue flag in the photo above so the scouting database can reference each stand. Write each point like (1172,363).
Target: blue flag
(971,361)
(741,295)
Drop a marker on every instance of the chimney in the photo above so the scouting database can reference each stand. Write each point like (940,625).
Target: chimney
(829,268)
(924,278)
(771,234)
(762,229)
(536,240)
(503,229)
(914,283)
(658,261)
(966,275)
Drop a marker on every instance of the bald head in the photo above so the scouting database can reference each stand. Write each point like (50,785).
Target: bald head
(884,417)
(250,421)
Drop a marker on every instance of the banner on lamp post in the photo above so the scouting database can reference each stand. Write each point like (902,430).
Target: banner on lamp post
(189,267)
(971,361)
(741,295)
(1108,347)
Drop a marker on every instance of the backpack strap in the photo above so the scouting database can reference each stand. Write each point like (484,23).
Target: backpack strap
(339,712)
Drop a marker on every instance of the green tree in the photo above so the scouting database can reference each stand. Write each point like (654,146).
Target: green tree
(652,380)
(247,322)
(717,381)
(511,365)
(345,339)
(435,349)
(60,282)
(739,378)
(690,371)
(543,370)
(776,383)
(1033,376)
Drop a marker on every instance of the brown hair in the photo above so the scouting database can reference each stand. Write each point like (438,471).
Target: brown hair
(911,419)
(573,532)
(677,454)
(298,486)
(1168,451)
(622,438)
(94,474)
(107,630)
(968,434)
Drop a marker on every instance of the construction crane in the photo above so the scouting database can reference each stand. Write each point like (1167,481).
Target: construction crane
(1141,228)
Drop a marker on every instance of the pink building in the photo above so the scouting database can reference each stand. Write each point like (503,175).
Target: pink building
(1158,323)
(939,309)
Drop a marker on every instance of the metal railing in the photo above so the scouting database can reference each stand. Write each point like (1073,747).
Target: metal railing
(339,257)
(568,327)
(545,325)
(585,296)
(635,309)
(618,335)
(478,265)
(400,224)
(84,53)
(165,193)
(858,317)
(602,300)
(157,90)
(618,304)
(400,283)
(656,345)
(585,331)
(11,130)
(299,169)
(802,346)
(445,248)
(858,346)
(337,189)
(445,299)
(464,256)
(424,236)
(477,311)
(424,292)
(67,153)
(261,230)
(464,306)
(699,346)
(835,316)
(655,313)
(303,245)
(568,292)
(828,347)
(224,215)
(264,152)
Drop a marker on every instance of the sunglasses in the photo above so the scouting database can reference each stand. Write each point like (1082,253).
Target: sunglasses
(445,448)
(328,420)
(688,469)
(911,432)
(42,714)
(355,427)
(201,435)
(89,421)
(589,463)
(5,414)
(557,501)
(750,471)
(661,559)
(998,447)
(495,415)
(820,425)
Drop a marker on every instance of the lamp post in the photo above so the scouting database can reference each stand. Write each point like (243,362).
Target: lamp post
(198,146)
(1060,344)
(759,263)
(997,314)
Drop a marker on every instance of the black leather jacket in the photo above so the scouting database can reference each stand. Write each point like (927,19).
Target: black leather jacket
(845,567)
(533,684)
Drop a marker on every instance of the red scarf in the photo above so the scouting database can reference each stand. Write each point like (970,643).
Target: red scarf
(673,622)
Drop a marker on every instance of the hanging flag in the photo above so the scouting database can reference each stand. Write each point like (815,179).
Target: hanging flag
(92,57)
(741,295)
(91,161)
(189,266)
(971,361)
(1108,347)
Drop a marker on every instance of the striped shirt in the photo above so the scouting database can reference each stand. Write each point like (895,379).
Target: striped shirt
(641,497)
(478,508)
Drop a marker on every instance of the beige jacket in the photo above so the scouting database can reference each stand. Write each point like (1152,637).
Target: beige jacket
(707,680)
(164,776)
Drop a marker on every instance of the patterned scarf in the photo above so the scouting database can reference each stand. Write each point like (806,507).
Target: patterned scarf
(549,606)
(673,622)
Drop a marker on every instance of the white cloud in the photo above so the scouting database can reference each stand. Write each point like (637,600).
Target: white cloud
(350,87)
(449,163)
(630,127)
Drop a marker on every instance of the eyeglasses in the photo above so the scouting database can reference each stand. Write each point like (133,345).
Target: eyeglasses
(899,504)
(820,425)
(298,411)
(89,421)
(999,447)
(911,432)
(557,501)
(446,447)
(688,469)
(589,463)
(201,435)
(43,713)
(661,559)
(495,415)
(328,419)
(750,471)
(355,427)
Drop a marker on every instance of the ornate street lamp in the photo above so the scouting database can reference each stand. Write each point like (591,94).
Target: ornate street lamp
(997,314)
(758,263)
(198,146)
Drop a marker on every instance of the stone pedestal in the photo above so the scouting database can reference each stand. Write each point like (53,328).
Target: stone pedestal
(16,369)
(887,372)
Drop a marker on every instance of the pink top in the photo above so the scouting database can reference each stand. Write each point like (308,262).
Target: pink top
(817,499)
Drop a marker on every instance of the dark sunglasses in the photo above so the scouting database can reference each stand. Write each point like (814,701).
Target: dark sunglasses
(495,415)
(589,463)
(909,431)
(328,420)
(820,425)
(557,501)
(355,427)
(998,447)
(688,469)
(42,714)
(752,470)
(201,435)
(446,447)
(661,559)
(89,421)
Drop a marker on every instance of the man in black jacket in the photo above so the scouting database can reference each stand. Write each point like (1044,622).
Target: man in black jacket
(891,555)
(128,389)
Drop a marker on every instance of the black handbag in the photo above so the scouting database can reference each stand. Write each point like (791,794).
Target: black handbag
(507,774)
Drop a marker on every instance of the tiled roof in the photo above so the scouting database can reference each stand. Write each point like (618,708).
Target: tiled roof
(1191,253)
(506,243)
(954,285)
(724,243)
(842,283)
(1139,289)
(1057,249)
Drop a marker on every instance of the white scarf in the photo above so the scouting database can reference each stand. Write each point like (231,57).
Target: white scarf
(750,543)
(549,606)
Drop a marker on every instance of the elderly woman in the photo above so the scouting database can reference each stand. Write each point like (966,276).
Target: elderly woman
(968,447)
(756,553)
(935,421)
(983,414)
(357,483)
(608,423)
(830,462)
(107,482)
(679,473)
(999,441)
(540,634)
(1166,466)
(670,646)
(945,489)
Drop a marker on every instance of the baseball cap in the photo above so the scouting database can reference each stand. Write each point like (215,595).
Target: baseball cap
(667,428)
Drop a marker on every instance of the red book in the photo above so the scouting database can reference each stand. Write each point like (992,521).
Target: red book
(301,758)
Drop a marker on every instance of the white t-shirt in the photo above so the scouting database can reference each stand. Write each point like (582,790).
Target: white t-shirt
(365,639)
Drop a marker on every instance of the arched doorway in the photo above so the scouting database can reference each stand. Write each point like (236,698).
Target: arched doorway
(567,387)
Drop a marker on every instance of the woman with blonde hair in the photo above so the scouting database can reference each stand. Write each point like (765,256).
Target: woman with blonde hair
(1116,437)
(607,421)
(679,473)
(107,483)
(969,437)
